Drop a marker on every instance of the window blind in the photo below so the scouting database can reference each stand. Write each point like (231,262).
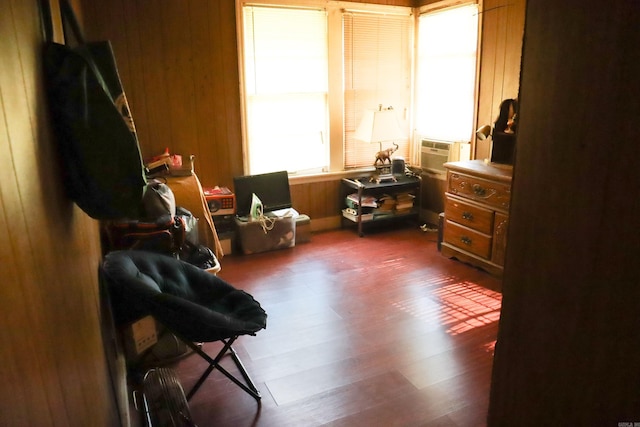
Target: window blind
(377,70)
(286,84)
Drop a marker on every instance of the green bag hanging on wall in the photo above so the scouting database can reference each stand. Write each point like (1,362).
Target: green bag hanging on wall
(99,152)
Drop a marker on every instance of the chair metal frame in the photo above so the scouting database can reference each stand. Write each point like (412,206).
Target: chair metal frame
(214,363)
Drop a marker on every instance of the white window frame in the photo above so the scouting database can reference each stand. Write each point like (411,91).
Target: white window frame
(286,88)
(441,7)
(335,99)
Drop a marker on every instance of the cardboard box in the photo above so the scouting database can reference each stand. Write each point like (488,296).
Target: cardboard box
(303,228)
(139,336)
(227,241)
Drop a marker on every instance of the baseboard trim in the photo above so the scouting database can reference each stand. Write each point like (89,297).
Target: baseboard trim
(324,224)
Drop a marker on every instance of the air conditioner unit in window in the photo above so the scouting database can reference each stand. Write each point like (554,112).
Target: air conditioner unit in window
(434,154)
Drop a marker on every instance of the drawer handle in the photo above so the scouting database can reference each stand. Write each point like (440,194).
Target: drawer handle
(478,190)
(466,240)
(467,215)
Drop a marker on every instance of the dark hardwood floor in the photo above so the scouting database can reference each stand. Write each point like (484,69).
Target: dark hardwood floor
(373,331)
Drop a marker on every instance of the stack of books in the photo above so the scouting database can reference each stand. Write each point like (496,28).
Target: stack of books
(158,165)
(367,203)
(168,164)
(386,206)
(404,202)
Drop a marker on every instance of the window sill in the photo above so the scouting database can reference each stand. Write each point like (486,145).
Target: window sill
(329,176)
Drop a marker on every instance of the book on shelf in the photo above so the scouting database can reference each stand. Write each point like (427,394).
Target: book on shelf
(386,203)
(404,206)
(367,201)
(159,162)
(403,211)
(405,197)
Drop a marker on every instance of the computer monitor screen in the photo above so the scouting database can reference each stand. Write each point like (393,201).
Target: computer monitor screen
(271,188)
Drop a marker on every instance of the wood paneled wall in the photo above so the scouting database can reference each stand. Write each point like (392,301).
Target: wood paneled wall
(567,349)
(52,362)
(178,62)
(318,200)
(179,65)
(501,50)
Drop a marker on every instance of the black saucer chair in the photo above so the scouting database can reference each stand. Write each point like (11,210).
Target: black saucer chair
(194,305)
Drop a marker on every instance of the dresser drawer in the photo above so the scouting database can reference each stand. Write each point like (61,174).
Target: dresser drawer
(472,216)
(467,239)
(492,193)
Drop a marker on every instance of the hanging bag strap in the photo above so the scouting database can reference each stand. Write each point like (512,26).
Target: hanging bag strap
(69,17)
(72,31)
(70,25)
(46,21)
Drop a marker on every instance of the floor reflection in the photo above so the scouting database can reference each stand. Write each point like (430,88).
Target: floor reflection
(459,305)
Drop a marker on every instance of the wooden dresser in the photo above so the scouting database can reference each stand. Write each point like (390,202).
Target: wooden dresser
(476,213)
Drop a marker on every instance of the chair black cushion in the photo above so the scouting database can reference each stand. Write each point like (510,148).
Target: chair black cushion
(189,301)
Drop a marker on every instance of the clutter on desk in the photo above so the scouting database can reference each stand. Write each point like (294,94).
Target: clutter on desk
(169,164)
(220,200)
(380,206)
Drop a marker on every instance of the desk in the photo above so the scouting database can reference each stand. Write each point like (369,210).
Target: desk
(404,185)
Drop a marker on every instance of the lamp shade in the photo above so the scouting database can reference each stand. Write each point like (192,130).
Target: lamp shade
(484,132)
(379,126)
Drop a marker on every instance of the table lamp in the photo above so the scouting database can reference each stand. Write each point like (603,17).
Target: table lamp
(483,132)
(378,126)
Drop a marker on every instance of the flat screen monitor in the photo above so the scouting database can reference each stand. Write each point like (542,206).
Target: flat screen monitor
(271,188)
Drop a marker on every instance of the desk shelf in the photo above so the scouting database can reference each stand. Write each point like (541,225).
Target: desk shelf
(361,191)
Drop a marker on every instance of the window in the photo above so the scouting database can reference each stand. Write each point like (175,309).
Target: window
(285,76)
(311,68)
(446,76)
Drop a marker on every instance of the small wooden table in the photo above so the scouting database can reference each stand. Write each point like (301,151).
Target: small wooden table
(364,187)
